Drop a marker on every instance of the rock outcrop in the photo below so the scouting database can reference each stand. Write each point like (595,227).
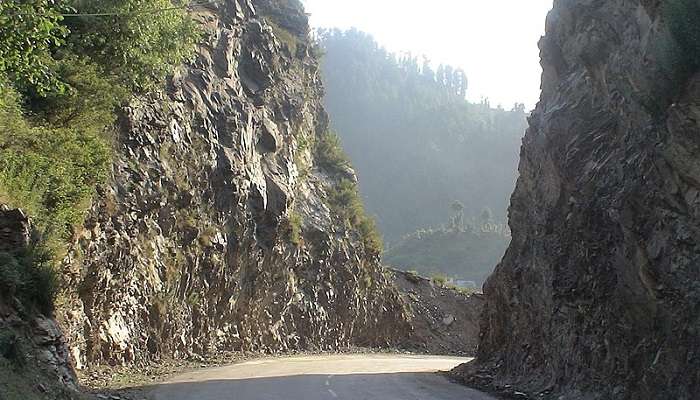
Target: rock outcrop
(214,232)
(34,358)
(598,296)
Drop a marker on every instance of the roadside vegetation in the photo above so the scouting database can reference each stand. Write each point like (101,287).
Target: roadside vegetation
(62,80)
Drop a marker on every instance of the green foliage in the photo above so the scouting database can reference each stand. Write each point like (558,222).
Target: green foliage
(439,279)
(371,237)
(60,83)
(30,276)
(141,45)
(344,200)
(50,172)
(29,30)
(330,154)
(87,101)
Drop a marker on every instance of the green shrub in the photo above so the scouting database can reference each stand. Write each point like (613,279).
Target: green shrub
(329,153)
(439,279)
(344,200)
(29,275)
(371,237)
(87,102)
(60,83)
(49,172)
(141,45)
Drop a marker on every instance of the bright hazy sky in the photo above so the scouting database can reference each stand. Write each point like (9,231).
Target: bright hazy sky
(494,41)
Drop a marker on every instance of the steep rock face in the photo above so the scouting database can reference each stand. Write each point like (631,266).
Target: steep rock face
(192,247)
(34,358)
(598,296)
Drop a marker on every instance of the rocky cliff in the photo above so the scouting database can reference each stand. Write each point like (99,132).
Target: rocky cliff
(215,231)
(598,296)
(34,358)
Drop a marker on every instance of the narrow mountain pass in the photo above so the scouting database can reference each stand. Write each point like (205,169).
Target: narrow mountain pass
(352,377)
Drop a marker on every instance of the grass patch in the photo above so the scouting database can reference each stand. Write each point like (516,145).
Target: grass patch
(330,154)
(344,197)
(50,172)
(439,279)
(295,231)
(344,200)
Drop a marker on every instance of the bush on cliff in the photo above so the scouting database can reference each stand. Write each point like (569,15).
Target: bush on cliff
(140,45)
(344,200)
(29,276)
(344,197)
(330,154)
(61,82)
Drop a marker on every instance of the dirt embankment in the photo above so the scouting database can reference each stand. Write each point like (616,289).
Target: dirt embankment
(444,320)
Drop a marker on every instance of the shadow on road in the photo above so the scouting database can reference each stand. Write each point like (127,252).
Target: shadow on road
(396,386)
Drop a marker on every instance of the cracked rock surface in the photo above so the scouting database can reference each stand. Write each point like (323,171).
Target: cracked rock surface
(598,296)
(189,251)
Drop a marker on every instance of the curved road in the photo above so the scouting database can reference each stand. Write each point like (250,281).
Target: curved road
(343,377)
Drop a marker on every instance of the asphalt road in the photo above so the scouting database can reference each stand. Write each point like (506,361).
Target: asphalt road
(344,377)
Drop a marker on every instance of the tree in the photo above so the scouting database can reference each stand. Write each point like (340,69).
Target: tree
(29,32)
(458,216)
(486,216)
(140,45)
(462,84)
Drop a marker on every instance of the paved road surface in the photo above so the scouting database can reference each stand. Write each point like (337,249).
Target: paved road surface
(345,377)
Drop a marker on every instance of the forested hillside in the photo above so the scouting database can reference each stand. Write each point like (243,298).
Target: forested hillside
(417,144)
(420,149)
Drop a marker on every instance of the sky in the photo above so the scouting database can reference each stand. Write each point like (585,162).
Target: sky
(494,41)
